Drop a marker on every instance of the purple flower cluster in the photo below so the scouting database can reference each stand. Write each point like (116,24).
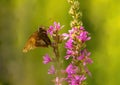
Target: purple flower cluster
(46,60)
(54,33)
(55,28)
(75,45)
(73,77)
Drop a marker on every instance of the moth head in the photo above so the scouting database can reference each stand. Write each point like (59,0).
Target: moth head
(41,29)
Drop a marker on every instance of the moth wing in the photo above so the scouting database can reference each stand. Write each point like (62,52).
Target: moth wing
(30,44)
(37,39)
(43,35)
(41,43)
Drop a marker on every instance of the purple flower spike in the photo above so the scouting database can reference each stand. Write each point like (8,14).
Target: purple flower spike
(46,59)
(51,70)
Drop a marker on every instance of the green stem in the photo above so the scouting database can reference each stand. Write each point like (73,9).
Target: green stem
(57,55)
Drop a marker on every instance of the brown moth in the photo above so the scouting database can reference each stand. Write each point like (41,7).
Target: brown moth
(38,39)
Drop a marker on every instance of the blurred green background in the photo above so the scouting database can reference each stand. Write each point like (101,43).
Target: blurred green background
(20,18)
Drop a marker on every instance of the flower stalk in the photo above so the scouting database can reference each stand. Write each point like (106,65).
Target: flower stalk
(77,70)
(56,40)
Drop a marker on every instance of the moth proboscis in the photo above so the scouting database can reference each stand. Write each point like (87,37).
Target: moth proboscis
(38,39)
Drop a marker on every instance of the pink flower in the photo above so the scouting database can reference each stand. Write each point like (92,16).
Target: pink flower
(70,34)
(50,30)
(71,69)
(87,61)
(57,25)
(84,36)
(65,36)
(54,28)
(87,71)
(68,44)
(58,81)
(51,70)
(70,52)
(46,59)
(73,30)
(77,79)
(82,28)
(84,56)
(67,57)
